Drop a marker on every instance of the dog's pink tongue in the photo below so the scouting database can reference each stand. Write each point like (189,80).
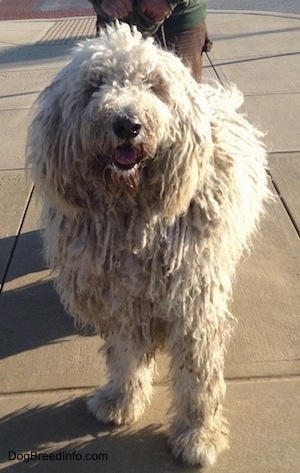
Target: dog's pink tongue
(125,155)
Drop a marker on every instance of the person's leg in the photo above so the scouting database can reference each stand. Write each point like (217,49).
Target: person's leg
(100,23)
(189,45)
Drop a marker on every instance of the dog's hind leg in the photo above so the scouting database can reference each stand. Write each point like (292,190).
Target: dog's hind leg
(198,430)
(129,387)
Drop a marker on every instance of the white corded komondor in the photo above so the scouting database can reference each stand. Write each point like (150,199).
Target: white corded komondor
(152,187)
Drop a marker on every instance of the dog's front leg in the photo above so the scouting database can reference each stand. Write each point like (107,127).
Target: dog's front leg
(129,386)
(198,430)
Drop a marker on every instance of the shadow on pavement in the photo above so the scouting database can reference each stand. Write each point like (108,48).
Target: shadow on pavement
(32,316)
(26,251)
(41,52)
(67,428)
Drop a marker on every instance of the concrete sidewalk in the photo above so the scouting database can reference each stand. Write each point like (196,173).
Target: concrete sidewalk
(48,368)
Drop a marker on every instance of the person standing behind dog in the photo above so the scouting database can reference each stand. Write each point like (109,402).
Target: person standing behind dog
(177,25)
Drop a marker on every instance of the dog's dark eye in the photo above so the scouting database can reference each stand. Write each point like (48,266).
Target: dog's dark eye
(90,89)
(95,84)
(159,88)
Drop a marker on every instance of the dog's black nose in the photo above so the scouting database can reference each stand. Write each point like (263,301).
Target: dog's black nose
(126,127)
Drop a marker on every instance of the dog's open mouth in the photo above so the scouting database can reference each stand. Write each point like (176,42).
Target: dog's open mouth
(126,161)
(125,157)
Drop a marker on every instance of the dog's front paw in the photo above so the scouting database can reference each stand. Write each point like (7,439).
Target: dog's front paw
(198,446)
(112,407)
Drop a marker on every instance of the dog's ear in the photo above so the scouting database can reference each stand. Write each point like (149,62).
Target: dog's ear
(190,146)
(44,149)
(54,142)
(55,138)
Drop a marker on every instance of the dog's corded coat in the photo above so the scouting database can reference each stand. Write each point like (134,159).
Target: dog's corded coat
(143,232)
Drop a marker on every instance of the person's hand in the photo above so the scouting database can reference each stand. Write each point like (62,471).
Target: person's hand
(156,10)
(117,9)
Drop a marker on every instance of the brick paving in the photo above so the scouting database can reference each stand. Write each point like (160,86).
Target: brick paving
(69,31)
(26,9)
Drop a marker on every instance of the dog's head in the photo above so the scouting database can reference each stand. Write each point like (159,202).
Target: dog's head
(124,116)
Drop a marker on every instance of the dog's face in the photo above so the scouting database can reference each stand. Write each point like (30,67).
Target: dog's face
(122,116)
(126,123)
